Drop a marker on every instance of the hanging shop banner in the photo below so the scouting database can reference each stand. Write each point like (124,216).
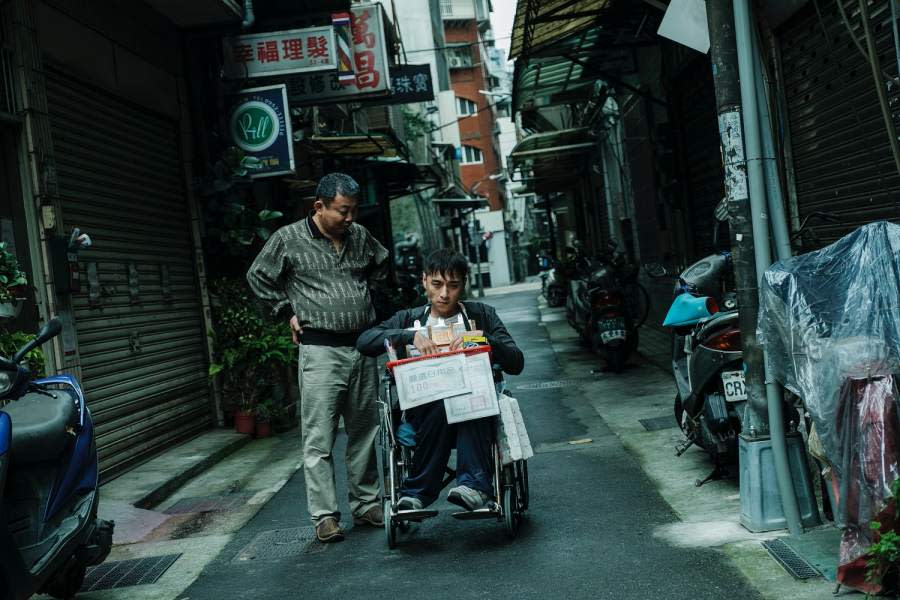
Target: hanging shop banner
(258,124)
(410,83)
(370,64)
(281,52)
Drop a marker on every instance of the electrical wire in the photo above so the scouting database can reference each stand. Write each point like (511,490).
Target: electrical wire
(840,5)
(448,47)
(483,108)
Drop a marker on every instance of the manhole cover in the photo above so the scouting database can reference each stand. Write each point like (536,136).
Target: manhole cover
(125,573)
(790,560)
(659,423)
(227,502)
(280,543)
(549,385)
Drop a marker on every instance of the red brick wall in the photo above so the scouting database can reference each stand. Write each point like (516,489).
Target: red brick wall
(475,130)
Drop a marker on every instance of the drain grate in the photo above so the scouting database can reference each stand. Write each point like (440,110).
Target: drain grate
(126,573)
(280,543)
(790,560)
(659,423)
(228,502)
(549,385)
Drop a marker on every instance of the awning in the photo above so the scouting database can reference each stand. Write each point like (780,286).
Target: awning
(460,203)
(552,146)
(542,22)
(354,146)
(569,61)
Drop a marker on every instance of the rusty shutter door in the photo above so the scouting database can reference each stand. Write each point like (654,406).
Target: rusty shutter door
(842,156)
(141,339)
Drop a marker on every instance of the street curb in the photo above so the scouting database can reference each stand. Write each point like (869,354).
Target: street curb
(169,486)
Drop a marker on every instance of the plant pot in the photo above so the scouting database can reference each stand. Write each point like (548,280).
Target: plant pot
(244,422)
(263,429)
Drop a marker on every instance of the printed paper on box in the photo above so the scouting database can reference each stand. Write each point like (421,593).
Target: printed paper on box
(432,379)
(481,401)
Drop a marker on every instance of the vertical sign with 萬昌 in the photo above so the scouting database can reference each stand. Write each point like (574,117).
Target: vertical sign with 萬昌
(368,45)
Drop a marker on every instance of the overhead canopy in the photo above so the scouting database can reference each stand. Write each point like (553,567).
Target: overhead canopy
(355,146)
(460,202)
(542,22)
(551,147)
(567,64)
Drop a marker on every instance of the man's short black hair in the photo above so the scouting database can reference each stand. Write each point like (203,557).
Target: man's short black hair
(447,262)
(336,183)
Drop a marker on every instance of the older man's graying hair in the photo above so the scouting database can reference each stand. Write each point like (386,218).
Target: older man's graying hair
(336,183)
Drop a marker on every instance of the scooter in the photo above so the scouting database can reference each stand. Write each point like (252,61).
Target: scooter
(553,284)
(49,529)
(707,361)
(598,308)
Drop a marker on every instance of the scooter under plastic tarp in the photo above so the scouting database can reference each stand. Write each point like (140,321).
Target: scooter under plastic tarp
(830,323)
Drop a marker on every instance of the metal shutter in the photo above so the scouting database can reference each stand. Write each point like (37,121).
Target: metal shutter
(842,158)
(143,357)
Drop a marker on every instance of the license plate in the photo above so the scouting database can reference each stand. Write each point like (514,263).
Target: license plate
(733,382)
(614,334)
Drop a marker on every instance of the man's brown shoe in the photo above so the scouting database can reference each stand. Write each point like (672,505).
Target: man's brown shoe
(328,530)
(373,517)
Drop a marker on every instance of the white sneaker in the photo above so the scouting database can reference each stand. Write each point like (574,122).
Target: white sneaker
(409,503)
(468,498)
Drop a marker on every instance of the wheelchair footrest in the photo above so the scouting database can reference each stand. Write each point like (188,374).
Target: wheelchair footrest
(415,515)
(475,515)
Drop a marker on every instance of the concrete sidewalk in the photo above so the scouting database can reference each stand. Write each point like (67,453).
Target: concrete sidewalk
(709,515)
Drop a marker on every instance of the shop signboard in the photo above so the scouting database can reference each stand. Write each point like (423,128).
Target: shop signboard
(308,50)
(368,44)
(260,125)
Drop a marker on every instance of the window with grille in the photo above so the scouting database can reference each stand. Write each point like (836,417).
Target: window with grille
(464,107)
(446,8)
(471,155)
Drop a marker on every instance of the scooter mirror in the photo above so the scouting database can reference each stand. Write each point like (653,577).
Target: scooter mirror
(50,330)
(655,270)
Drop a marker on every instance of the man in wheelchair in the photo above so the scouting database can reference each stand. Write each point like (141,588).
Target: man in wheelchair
(444,279)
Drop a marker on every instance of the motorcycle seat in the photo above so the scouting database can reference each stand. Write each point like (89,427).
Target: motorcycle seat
(39,426)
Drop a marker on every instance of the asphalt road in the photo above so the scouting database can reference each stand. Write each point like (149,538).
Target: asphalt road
(589,532)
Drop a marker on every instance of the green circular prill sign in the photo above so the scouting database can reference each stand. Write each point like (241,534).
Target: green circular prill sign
(254,126)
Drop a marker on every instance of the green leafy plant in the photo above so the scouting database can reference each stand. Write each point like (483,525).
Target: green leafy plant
(11,275)
(883,563)
(232,221)
(265,411)
(11,341)
(251,351)
(415,125)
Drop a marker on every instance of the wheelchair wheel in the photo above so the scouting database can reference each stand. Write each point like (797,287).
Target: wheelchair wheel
(522,481)
(510,511)
(390,528)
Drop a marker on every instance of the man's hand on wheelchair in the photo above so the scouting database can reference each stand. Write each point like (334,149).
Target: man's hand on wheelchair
(457,343)
(424,344)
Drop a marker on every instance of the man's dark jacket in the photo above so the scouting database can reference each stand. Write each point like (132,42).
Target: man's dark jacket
(503,349)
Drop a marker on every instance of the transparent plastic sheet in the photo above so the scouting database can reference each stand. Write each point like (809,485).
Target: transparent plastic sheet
(830,323)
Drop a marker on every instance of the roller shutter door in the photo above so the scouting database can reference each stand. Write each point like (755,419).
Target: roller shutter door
(842,157)
(141,337)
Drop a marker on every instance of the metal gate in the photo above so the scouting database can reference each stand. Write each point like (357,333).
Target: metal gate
(842,158)
(138,316)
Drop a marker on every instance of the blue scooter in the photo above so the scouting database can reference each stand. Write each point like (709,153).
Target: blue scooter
(49,530)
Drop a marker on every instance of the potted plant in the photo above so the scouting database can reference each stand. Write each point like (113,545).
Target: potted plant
(251,352)
(12,278)
(264,419)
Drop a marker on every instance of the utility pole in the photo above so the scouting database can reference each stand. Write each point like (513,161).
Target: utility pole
(723,52)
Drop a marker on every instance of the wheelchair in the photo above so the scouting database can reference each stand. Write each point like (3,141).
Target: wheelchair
(510,481)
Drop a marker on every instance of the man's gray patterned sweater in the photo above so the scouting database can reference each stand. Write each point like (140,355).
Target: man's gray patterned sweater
(299,271)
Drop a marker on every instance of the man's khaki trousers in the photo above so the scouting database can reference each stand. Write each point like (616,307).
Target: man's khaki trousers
(338,382)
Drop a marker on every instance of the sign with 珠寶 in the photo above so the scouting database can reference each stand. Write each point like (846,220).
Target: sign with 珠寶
(260,125)
(368,45)
(280,52)
(411,83)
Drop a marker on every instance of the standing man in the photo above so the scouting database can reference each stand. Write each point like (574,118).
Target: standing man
(315,273)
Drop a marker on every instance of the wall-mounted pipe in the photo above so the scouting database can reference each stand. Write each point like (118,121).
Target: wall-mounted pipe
(249,16)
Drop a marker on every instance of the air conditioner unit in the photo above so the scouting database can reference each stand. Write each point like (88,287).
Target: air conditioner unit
(457,62)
